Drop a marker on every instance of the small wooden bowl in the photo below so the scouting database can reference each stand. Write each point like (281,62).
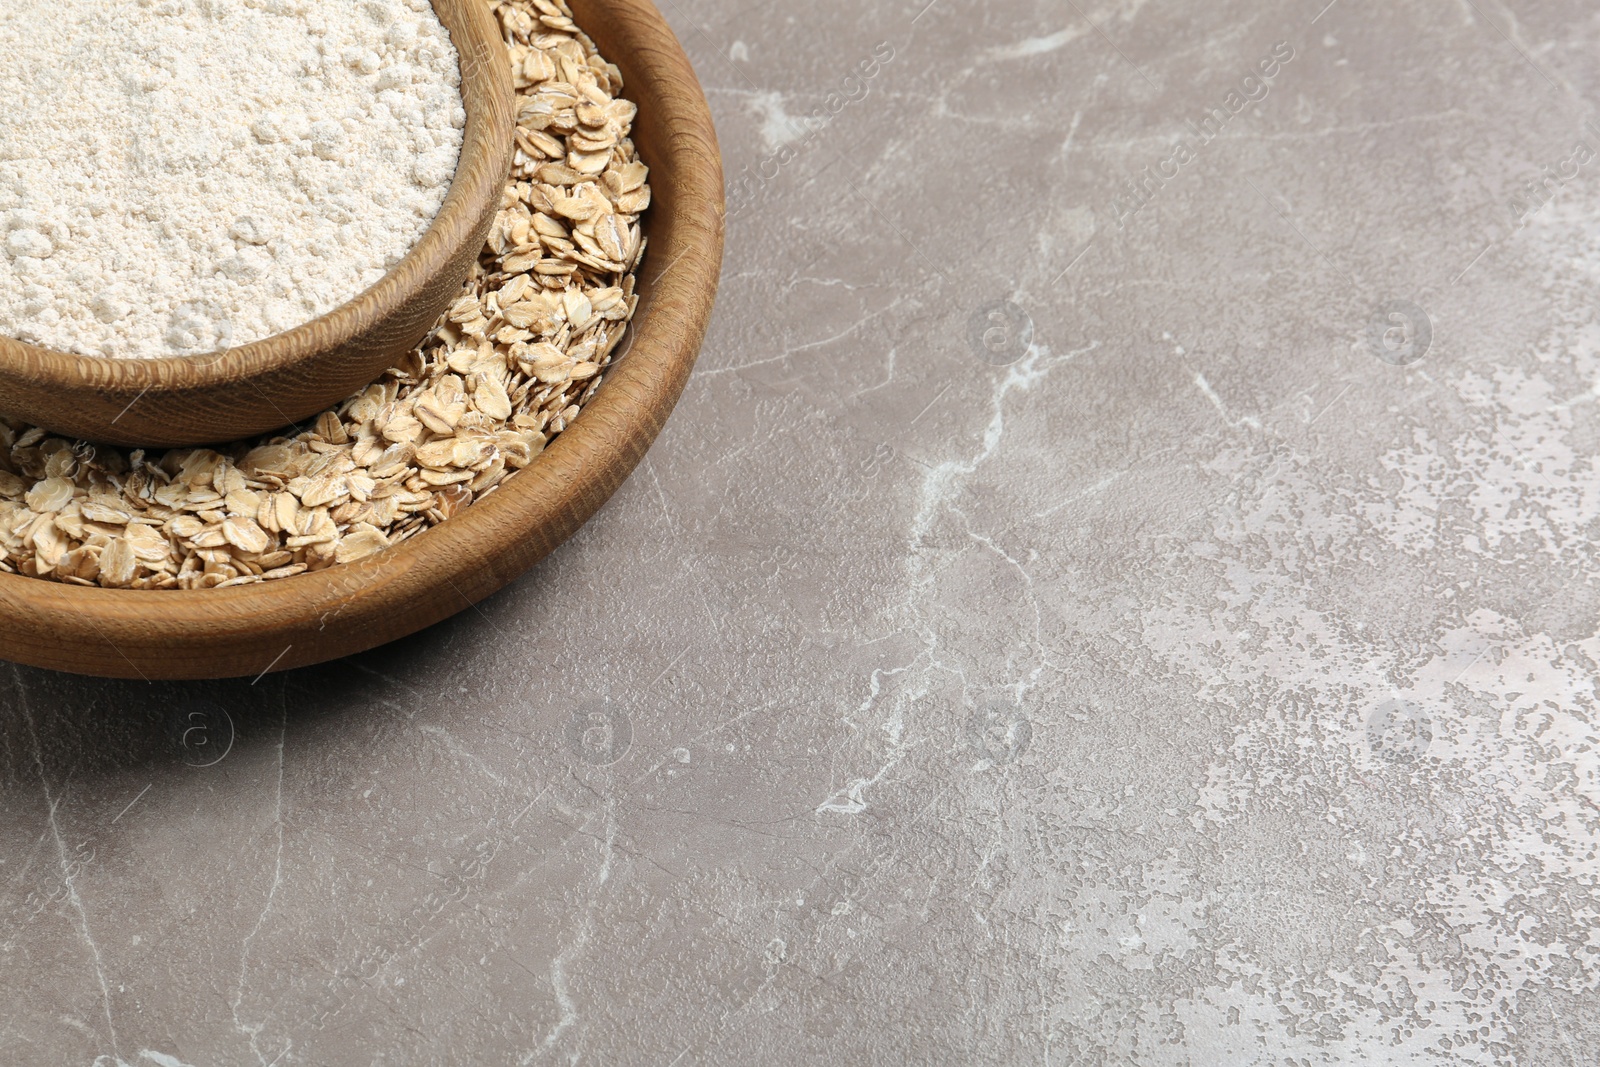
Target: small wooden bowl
(348,608)
(239,392)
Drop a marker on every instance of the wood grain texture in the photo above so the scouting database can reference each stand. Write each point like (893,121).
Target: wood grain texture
(239,392)
(345,609)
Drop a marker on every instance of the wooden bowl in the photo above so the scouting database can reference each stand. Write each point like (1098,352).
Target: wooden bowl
(239,392)
(293,622)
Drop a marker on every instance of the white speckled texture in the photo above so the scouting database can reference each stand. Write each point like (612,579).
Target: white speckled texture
(1167,670)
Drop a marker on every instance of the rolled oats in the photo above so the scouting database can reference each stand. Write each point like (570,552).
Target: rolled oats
(507,367)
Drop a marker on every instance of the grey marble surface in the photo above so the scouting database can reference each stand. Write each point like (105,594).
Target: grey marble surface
(1061,624)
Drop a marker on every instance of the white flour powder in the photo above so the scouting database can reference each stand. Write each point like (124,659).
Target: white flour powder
(179,176)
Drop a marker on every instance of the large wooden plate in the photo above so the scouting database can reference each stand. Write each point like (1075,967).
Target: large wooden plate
(292,622)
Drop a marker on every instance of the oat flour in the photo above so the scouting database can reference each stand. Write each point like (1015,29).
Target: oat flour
(179,176)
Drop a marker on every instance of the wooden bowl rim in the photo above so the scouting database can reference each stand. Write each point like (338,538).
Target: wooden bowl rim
(499,536)
(470,188)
